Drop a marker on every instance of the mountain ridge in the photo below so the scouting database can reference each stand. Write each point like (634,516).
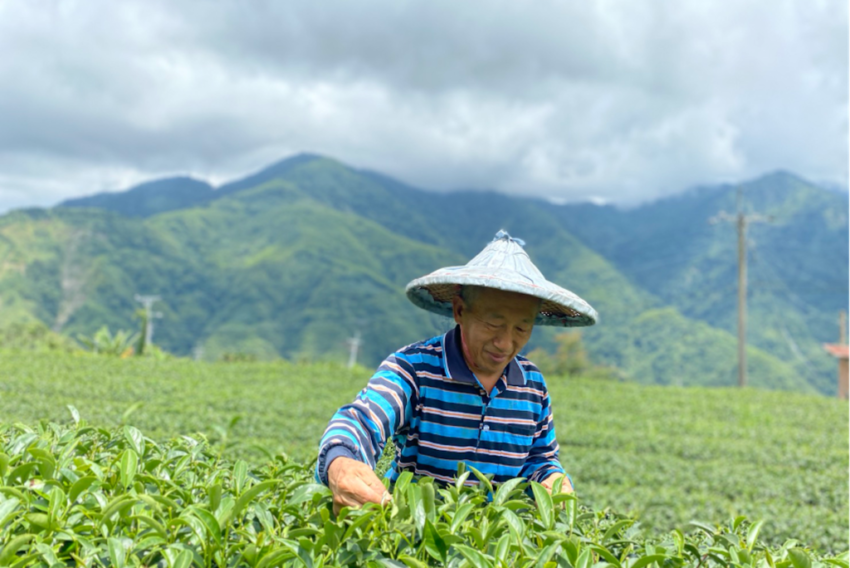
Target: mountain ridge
(295,261)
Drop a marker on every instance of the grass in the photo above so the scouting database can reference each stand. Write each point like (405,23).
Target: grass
(669,455)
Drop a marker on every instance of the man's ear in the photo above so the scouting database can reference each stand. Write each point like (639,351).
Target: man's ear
(458,308)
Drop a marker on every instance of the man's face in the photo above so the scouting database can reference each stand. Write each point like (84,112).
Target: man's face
(495,328)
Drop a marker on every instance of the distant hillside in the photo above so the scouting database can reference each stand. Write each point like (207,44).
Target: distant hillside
(149,198)
(797,263)
(296,259)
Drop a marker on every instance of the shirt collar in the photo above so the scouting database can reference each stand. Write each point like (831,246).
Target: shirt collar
(457,370)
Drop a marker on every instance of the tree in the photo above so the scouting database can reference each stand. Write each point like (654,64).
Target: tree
(570,358)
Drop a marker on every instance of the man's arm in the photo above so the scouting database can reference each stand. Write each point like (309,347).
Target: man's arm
(542,464)
(357,433)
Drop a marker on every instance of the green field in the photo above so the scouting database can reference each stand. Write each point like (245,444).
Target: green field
(668,455)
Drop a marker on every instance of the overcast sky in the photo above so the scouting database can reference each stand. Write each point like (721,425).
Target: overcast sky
(622,101)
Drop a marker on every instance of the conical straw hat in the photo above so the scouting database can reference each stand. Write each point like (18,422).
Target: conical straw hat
(504,265)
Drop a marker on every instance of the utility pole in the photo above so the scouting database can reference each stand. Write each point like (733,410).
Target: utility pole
(147,302)
(354,343)
(742,221)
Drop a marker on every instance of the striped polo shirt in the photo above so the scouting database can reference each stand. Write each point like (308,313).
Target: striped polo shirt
(438,414)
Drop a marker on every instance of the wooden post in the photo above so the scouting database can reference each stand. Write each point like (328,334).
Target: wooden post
(741,221)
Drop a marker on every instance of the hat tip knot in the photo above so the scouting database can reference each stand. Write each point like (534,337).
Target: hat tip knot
(503,234)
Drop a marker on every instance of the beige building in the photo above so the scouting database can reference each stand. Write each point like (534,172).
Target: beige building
(841,353)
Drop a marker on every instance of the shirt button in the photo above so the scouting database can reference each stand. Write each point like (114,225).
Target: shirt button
(486,427)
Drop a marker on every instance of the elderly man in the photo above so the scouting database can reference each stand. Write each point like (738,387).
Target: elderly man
(465,396)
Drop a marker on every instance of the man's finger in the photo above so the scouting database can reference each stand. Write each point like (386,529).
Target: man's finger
(370,493)
(360,491)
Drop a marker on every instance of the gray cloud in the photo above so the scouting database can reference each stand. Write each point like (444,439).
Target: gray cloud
(619,101)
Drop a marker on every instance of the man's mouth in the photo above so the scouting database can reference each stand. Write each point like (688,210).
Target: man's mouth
(497,358)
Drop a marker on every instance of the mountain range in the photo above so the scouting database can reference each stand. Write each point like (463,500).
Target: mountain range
(299,257)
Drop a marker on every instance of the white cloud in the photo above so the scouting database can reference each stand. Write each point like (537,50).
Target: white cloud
(616,101)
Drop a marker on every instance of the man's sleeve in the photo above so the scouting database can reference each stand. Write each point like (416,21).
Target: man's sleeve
(361,429)
(542,460)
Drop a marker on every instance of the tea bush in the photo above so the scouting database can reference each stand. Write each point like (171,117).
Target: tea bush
(83,496)
(664,455)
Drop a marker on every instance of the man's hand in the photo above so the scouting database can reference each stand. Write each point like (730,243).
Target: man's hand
(549,482)
(353,483)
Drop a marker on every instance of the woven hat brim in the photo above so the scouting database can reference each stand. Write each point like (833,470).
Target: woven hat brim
(559,306)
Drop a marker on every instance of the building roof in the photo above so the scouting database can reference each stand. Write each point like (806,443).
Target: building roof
(840,351)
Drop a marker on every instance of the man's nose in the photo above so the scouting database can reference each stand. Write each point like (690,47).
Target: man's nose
(502,341)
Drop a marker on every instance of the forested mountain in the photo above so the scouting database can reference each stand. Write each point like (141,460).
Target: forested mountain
(297,258)
(797,261)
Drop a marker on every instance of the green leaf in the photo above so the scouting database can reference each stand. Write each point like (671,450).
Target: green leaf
(79,486)
(75,414)
(615,529)
(113,506)
(515,525)
(214,495)
(799,558)
(306,492)
(504,491)
(460,516)
(46,462)
(7,507)
(461,478)
(402,482)
(752,534)
(240,474)
(275,557)
(547,553)
(39,520)
(502,548)
(584,559)
(129,465)
(117,554)
(474,557)
(709,530)
(135,438)
(130,410)
(12,548)
(412,562)
(364,518)
(417,509)
(21,473)
(544,505)
(737,522)
(158,527)
(55,502)
(210,523)
(249,495)
(647,560)
(183,560)
(605,554)
(48,555)
(434,543)
(483,479)
(428,501)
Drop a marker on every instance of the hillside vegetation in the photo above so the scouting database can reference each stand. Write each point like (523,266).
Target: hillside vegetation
(298,258)
(668,455)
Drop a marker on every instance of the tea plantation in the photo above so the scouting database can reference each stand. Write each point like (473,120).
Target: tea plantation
(663,455)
